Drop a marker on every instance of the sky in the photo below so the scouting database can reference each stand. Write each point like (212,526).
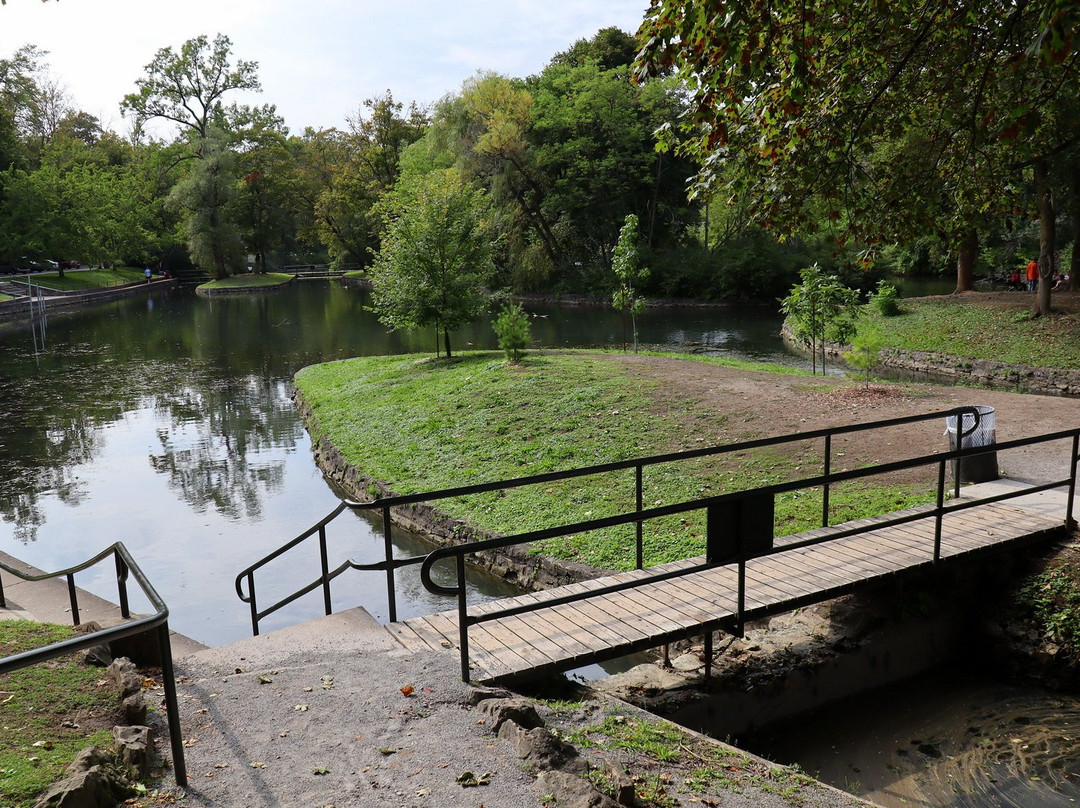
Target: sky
(318,59)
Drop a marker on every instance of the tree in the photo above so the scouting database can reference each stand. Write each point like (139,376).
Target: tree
(820,310)
(513,330)
(187,87)
(204,197)
(865,353)
(630,274)
(364,169)
(435,259)
(905,117)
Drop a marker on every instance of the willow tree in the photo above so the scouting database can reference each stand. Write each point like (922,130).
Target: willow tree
(894,119)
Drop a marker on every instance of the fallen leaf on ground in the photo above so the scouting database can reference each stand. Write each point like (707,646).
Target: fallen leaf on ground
(300,708)
(468,779)
(320,770)
(408,690)
(387,751)
(265,680)
(328,683)
(256,764)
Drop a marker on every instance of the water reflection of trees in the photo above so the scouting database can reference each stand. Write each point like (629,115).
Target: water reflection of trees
(41,448)
(215,372)
(213,450)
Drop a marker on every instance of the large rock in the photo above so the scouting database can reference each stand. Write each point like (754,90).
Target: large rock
(134,753)
(520,711)
(123,675)
(571,791)
(98,787)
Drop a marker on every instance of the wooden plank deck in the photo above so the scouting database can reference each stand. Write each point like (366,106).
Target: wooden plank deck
(605,626)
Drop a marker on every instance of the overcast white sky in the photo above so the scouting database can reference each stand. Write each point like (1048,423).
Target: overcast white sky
(318,59)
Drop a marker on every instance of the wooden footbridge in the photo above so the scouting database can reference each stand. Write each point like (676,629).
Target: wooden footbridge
(745,573)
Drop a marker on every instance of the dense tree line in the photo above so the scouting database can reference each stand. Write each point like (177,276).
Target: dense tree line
(841,140)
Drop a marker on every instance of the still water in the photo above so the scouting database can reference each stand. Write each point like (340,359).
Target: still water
(166,422)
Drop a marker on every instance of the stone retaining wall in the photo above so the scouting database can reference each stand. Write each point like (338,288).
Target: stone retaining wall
(975,372)
(19,309)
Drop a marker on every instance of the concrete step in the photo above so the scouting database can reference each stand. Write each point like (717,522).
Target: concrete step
(48,602)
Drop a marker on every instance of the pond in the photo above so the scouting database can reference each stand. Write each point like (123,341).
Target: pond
(166,422)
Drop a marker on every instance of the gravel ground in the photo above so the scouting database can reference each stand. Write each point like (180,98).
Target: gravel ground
(315,715)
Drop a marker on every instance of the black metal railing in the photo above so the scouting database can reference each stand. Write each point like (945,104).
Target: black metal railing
(383,506)
(158,622)
(741,554)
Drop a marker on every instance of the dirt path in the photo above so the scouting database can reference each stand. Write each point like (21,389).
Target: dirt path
(729,405)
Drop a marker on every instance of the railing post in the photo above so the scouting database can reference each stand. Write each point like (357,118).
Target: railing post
(73,597)
(325,570)
(463,618)
(3,603)
(940,510)
(707,649)
(825,487)
(640,503)
(172,706)
(742,595)
(121,584)
(388,554)
(251,601)
(1072,484)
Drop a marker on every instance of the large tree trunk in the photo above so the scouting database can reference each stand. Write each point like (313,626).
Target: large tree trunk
(446,342)
(1047,234)
(965,261)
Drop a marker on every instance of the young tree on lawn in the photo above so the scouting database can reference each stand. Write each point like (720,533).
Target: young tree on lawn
(820,310)
(435,259)
(630,274)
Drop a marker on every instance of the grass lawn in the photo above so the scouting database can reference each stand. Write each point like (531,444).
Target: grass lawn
(249,281)
(987,326)
(80,279)
(48,713)
(421,424)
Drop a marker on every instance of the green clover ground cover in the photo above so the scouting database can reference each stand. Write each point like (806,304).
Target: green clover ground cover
(49,713)
(419,424)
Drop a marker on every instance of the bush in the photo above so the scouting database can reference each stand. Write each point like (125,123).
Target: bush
(513,329)
(886,299)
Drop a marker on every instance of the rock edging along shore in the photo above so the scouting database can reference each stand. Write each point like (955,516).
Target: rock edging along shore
(986,372)
(19,308)
(976,372)
(516,564)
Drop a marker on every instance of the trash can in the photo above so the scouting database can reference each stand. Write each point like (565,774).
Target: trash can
(978,468)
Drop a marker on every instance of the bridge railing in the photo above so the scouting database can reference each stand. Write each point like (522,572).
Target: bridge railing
(967,417)
(739,554)
(158,622)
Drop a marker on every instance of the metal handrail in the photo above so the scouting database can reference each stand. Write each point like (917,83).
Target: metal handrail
(384,504)
(158,622)
(937,511)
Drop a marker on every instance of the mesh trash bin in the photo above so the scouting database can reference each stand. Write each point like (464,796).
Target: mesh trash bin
(978,468)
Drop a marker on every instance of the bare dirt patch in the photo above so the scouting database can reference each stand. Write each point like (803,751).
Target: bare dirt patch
(721,404)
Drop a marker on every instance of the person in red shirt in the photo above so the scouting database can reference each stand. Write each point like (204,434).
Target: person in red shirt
(1033,275)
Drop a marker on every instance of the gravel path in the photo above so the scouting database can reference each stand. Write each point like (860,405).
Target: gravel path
(315,715)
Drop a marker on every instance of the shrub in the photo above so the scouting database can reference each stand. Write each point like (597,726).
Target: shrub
(512,327)
(886,299)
